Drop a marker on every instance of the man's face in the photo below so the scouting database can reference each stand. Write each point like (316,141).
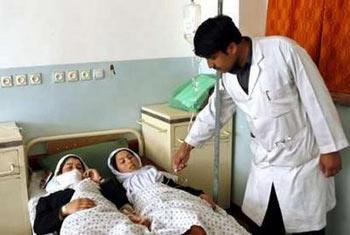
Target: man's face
(126,162)
(223,62)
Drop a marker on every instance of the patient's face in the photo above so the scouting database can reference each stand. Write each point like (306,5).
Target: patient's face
(72,163)
(126,162)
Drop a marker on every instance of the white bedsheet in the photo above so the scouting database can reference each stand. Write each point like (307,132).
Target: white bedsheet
(173,211)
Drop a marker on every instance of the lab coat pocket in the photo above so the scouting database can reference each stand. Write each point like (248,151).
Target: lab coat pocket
(258,152)
(281,100)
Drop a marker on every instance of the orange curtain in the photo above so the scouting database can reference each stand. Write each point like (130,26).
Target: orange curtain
(334,60)
(322,28)
(279,20)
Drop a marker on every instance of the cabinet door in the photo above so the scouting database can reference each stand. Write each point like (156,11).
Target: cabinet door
(13,219)
(157,143)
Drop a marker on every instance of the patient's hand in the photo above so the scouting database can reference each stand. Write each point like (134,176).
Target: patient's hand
(93,175)
(208,199)
(181,157)
(138,219)
(77,205)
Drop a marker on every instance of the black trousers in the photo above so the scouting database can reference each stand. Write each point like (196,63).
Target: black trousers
(273,221)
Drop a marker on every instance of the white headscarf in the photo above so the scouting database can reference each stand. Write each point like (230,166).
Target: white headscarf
(57,182)
(135,180)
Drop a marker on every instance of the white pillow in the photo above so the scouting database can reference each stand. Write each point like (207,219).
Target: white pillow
(35,184)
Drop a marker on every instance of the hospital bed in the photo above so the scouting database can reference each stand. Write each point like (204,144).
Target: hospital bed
(94,147)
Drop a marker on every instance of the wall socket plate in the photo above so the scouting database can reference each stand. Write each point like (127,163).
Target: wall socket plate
(98,73)
(58,77)
(35,79)
(85,75)
(72,76)
(21,80)
(6,81)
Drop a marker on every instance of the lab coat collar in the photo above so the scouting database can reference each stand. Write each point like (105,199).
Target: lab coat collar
(255,68)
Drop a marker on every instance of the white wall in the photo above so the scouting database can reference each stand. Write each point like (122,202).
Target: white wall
(41,32)
(252,17)
(230,8)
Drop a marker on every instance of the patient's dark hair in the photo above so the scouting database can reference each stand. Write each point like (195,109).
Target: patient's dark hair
(113,161)
(64,162)
(215,34)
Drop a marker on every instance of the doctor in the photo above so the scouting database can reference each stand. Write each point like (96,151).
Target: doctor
(295,129)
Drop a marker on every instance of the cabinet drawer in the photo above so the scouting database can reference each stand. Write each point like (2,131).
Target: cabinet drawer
(181,131)
(153,123)
(9,162)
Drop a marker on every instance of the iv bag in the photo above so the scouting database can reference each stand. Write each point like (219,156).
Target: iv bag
(191,20)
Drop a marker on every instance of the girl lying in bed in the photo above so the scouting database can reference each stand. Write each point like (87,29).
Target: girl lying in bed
(173,209)
(75,205)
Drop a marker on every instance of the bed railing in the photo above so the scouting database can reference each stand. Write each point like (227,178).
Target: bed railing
(123,131)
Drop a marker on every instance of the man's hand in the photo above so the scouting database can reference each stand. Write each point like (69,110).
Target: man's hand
(330,164)
(181,157)
(93,175)
(208,199)
(77,205)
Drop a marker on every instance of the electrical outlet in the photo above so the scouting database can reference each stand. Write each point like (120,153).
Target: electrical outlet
(98,73)
(85,75)
(72,76)
(35,79)
(21,80)
(6,81)
(58,77)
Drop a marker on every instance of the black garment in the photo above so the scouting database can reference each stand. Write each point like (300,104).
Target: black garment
(273,221)
(47,210)
(319,232)
(190,190)
(243,73)
(114,192)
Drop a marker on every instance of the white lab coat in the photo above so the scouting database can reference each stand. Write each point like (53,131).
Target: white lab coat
(292,116)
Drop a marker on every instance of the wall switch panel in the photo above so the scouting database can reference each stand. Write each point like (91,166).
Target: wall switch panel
(6,81)
(98,73)
(21,80)
(85,75)
(58,77)
(35,79)
(72,76)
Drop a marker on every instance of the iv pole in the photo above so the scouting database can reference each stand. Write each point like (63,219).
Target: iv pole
(189,33)
(217,126)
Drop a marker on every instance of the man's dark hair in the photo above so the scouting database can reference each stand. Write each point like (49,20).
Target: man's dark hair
(215,34)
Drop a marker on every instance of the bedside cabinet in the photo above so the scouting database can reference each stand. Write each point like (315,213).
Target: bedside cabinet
(14,218)
(164,128)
